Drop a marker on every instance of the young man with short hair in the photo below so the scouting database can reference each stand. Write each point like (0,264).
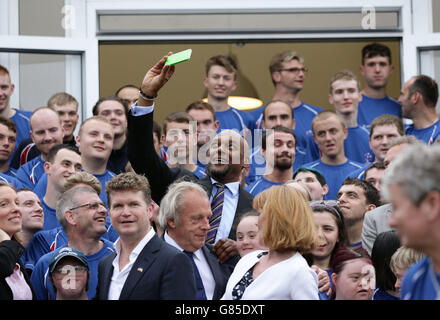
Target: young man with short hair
(376,68)
(314,180)
(329,133)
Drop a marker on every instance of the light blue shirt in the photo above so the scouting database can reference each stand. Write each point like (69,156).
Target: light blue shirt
(229,207)
(140,111)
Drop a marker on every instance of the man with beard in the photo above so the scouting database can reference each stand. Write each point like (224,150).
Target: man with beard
(278,148)
(419,97)
(356,197)
(228,158)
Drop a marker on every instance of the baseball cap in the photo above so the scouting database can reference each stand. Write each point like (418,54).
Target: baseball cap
(67,252)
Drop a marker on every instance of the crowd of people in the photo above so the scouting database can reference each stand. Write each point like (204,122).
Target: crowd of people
(285,202)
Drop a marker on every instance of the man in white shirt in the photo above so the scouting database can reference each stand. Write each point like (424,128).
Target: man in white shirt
(185,212)
(143,267)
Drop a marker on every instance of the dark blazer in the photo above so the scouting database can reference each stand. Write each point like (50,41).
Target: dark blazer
(221,272)
(144,160)
(10,255)
(161,272)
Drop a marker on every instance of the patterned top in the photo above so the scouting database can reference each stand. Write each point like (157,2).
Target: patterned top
(247,279)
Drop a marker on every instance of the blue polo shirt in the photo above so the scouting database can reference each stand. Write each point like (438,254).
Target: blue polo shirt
(421,282)
(29,173)
(370,108)
(260,185)
(427,135)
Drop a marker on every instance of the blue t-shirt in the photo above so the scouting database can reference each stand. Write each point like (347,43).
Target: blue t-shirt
(380,294)
(10,179)
(334,174)
(303,115)
(258,163)
(29,173)
(421,282)
(234,119)
(260,185)
(22,123)
(200,171)
(41,243)
(427,135)
(356,146)
(50,217)
(370,108)
(40,276)
(360,173)
(11,172)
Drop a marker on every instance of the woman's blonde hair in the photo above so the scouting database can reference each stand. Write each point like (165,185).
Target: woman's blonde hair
(288,221)
(260,200)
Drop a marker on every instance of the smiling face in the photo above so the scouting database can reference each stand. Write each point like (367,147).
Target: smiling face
(31,210)
(95,140)
(65,163)
(73,284)
(10,215)
(247,235)
(280,150)
(46,130)
(227,157)
(68,114)
(6,91)
(220,83)
(181,142)
(356,281)
(288,77)
(193,226)
(327,233)
(130,215)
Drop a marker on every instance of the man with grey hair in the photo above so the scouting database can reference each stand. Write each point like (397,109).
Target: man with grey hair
(228,160)
(376,221)
(143,267)
(82,216)
(411,183)
(184,214)
(288,74)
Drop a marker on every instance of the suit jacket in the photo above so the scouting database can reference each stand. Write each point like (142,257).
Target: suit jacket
(144,160)
(160,272)
(375,222)
(10,255)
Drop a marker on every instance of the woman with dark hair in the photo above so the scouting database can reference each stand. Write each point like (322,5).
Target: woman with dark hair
(384,247)
(353,274)
(14,281)
(332,234)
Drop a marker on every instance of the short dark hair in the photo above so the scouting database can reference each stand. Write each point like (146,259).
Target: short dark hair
(384,246)
(372,196)
(375,49)
(275,129)
(387,119)
(375,165)
(128,181)
(427,87)
(54,151)
(95,109)
(126,86)
(201,105)
(157,129)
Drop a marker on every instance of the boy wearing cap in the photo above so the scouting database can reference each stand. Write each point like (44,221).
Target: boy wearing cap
(69,274)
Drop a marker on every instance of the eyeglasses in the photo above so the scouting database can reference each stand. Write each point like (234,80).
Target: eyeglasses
(331,205)
(67,269)
(90,205)
(296,70)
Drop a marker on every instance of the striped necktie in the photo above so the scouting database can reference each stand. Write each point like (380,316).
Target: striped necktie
(216,208)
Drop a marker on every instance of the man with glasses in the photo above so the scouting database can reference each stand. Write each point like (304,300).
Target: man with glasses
(288,74)
(82,215)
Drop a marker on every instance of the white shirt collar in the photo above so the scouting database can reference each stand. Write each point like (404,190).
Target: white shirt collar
(233,187)
(137,250)
(171,241)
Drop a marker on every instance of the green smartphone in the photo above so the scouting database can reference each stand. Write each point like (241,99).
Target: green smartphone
(179,57)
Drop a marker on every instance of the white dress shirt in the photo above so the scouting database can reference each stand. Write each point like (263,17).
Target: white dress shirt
(202,265)
(229,207)
(120,276)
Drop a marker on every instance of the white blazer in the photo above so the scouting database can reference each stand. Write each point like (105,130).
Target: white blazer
(291,279)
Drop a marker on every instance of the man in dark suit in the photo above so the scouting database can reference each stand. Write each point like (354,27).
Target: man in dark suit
(185,212)
(143,267)
(228,160)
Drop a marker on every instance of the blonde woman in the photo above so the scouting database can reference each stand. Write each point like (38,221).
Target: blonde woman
(287,229)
